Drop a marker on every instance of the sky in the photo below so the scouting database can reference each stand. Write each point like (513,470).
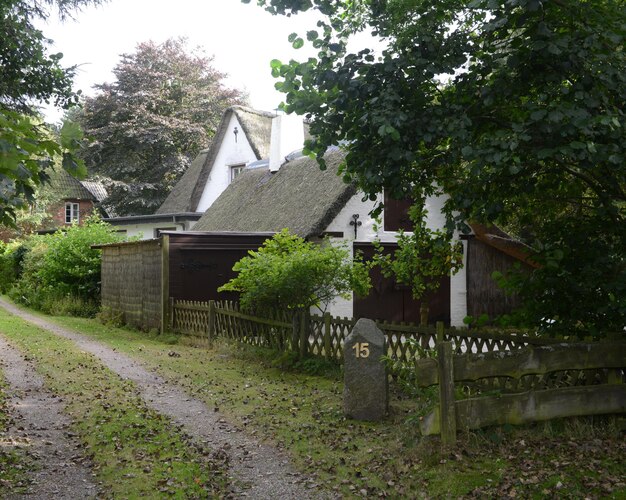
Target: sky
(243,39)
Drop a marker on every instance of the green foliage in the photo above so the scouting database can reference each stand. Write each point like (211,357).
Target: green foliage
(9,265)
(313,365)
(423,255)
(149,124)
(27,149)
(515,109)
(70,263)
(61,272)
(288,272)
(29,76)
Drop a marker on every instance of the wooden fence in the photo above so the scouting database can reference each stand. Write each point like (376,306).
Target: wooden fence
(602,393)
(323,335)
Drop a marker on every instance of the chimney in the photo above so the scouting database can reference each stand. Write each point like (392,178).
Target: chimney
(287,136)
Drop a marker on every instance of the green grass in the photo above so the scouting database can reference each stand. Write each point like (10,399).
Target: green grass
(303,414)
(135,451)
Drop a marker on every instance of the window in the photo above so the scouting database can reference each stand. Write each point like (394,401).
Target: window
(235,170)
(71,212)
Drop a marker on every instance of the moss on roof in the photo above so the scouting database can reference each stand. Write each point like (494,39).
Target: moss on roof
(299,196)
(63,186)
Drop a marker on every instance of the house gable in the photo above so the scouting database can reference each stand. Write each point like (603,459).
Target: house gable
(233,151)
(209,173)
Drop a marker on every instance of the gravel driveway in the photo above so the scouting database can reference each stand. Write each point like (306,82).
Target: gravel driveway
(257,470)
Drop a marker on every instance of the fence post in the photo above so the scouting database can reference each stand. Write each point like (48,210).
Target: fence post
(211,326)
(305,318)
(171,314)
(327,345)
(424,314)
(295,334)
(440,331)
(447,412)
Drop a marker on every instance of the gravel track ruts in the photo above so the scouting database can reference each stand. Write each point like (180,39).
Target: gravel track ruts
(257,470)
(39,425)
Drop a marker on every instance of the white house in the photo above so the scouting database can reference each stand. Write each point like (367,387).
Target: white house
(254,179)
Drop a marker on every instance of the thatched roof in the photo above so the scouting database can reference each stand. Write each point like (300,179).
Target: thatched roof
(498,239)
(179,199)
(299,196)
(186,194)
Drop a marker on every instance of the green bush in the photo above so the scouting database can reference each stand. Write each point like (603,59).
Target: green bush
(60,273)
(11,255)
(288,272)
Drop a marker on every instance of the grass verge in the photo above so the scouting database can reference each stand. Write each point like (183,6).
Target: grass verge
(303,414)
(134,450)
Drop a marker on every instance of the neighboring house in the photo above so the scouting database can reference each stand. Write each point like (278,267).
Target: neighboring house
(242,137)
(69,200)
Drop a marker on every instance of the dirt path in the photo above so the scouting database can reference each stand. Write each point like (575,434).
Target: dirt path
(257,470)
(39,424)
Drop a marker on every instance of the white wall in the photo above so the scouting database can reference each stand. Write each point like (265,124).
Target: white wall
(230,153)
(367,232)
(145,231)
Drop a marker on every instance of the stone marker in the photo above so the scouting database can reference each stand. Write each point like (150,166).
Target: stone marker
(365,391)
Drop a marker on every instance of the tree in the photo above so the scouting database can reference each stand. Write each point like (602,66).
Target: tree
(513,108)
(151,122)
(29,76)
(288,272)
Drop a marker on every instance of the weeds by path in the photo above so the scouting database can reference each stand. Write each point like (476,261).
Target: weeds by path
(136,451)
(303,414)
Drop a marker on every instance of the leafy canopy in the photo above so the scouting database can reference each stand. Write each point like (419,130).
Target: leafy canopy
(30,75)
(513,108)
(149,124)
(288,272)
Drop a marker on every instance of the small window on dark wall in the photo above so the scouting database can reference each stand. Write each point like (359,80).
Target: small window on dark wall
(396,214)
(71,212)
(235,170)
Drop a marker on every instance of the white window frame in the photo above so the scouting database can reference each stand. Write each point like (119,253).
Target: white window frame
(72,212)
(234,171)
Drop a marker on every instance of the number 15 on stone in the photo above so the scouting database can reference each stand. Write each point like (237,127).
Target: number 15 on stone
(361,349)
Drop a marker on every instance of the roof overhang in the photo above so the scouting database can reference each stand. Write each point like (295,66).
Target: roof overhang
(153,218)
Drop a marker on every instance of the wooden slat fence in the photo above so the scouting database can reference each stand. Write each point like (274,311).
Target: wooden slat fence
(326,334)
(273,329)
(531,403)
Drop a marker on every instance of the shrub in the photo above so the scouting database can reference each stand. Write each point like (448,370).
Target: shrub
(11,255)
(71,266)
(290,273)
(60,273)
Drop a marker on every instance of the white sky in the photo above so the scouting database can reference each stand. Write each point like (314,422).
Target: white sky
(243,38)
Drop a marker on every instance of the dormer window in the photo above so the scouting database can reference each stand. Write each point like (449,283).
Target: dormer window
(235,170)
(71,212)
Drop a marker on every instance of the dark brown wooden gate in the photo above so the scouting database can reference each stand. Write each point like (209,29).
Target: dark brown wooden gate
(393,302)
